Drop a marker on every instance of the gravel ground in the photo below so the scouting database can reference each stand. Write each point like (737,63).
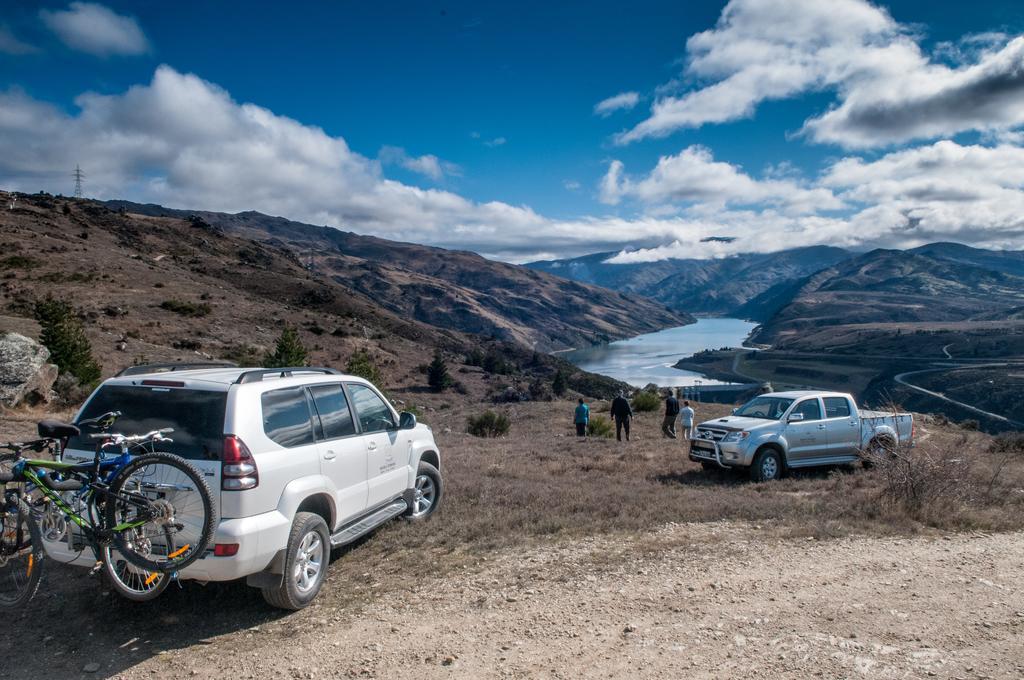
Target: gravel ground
(694,600)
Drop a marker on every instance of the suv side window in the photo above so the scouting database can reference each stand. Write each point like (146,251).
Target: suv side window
(837,407)
(286,418)
(810,408)
(335,415)
(374,414)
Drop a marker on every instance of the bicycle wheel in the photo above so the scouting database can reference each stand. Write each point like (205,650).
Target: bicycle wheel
(21,555)
(130,581)
(153,496)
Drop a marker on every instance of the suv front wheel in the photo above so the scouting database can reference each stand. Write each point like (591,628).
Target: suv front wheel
(305,568)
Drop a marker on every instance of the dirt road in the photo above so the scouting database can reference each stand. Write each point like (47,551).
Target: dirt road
(703,600)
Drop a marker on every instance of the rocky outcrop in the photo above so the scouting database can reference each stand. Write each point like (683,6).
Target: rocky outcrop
(26,376)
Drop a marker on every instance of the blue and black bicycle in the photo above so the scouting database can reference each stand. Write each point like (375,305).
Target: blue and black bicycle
(144,513)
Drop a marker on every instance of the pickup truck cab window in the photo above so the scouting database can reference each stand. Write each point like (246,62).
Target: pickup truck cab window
(810,408)
(374,415)
(335,414)
(837,407)
(286,417)
(769,408)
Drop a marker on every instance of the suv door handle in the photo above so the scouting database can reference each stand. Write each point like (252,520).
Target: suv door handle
(372,446)
(821,427)
(330,455)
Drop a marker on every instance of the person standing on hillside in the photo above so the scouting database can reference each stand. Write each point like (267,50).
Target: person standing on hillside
(668,425)
(582,418)
(622,412)
(686,415)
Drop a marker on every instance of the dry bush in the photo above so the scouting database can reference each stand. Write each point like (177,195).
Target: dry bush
(601,426)
(646,401)
(488,424)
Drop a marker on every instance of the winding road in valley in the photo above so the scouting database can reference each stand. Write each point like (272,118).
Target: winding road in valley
(901,379)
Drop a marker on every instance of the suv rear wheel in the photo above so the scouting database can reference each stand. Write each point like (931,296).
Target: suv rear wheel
(305,567)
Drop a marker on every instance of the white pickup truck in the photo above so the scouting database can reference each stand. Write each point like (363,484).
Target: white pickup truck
(778,431)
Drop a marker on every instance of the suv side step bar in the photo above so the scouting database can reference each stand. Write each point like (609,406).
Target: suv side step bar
(351,532)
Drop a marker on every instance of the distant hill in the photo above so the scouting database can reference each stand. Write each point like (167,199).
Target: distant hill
(454,290)
(717,286)
(935,283)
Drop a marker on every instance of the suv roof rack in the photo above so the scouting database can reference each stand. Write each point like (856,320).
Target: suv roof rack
(256,375)
(170,367)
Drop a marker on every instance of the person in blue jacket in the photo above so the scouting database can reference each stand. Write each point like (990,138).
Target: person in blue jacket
(582,418)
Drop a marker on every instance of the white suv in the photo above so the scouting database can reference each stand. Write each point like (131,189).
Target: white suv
(301,460)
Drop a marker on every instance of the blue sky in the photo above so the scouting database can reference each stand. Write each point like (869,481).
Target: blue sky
(470,126)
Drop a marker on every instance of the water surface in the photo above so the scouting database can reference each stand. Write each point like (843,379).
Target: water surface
(649,358)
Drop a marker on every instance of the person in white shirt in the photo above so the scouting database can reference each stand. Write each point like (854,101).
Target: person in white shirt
(686,421)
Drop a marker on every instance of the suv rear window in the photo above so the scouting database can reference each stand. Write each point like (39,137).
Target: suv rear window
(197,417)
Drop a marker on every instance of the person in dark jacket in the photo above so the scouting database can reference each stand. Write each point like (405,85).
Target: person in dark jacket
(668,425)
(622,412)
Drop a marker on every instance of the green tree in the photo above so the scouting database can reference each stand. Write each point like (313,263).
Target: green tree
(559,384)
(362,364)
(63,335)
(289,350)
(437,374)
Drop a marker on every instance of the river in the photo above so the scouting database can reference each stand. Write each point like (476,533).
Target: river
(649,358)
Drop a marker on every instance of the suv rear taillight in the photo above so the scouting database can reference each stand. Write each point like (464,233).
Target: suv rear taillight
(238,468)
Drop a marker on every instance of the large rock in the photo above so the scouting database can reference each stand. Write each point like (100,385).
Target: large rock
(26,376)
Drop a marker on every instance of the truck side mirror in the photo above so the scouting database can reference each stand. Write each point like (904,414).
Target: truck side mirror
(796,417)
(735,410)
(406,421)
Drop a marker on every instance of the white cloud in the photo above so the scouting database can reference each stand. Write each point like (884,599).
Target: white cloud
(9,43)
(693,176)
(95,29)
(571,185)
(620,102)
(184,142)
(429,164)
(497,141)
(888,91)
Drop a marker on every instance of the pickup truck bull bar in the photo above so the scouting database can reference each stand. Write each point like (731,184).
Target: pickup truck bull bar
(717,458)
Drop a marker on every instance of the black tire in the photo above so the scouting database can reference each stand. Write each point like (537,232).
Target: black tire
(709,466)
(188,548)
(131,582)
(428,490)
(291,594)
(878,449)
(767,466)
(19,538)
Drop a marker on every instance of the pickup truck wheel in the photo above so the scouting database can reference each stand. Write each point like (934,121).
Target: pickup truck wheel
(878,449)
(767,466)
(306,559)
(427,492)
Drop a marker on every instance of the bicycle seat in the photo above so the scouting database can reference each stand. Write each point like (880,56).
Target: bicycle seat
(54,429)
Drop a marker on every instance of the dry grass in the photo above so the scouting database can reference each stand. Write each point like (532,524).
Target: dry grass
(541,482)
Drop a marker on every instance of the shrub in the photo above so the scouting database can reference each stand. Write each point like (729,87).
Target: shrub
(1008,442)
(63,335)
(245,356)
(437,374)
(495,363)
(488,424)
(362,364)
(288,352)
(185,308)
(600,426)
(646,401)
(19,262)
(559,385)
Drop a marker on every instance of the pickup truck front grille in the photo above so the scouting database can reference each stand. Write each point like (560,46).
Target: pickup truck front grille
(711,433)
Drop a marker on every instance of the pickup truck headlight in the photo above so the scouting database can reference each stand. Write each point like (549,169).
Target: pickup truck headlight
(733,437)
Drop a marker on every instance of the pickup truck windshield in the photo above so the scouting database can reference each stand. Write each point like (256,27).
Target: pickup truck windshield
(768,408)
(197,417)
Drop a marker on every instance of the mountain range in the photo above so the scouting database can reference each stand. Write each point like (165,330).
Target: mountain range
(710,286)
(454,290)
